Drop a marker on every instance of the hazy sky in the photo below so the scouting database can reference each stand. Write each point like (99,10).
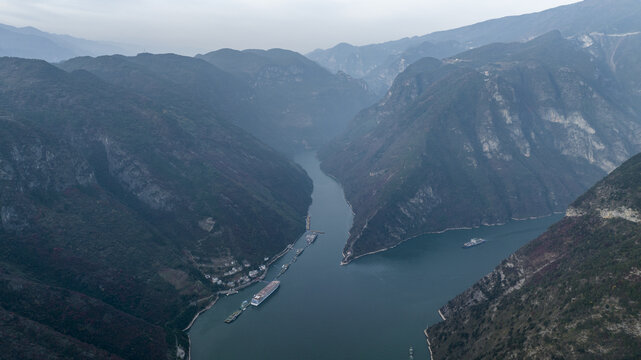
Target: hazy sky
(191,26)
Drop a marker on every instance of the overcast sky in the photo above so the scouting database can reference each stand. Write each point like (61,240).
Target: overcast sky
(193,26)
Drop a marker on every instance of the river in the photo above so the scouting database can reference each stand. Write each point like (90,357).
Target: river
(374,308)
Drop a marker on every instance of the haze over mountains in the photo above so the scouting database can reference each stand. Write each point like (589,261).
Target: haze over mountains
(284,99)
(298,101)
(31,43)
(379,64)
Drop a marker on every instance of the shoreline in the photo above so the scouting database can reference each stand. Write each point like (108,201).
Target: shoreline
(209,305)
(240,287)
(429,345)
(343,262)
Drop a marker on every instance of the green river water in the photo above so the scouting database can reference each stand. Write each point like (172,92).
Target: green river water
(374,308)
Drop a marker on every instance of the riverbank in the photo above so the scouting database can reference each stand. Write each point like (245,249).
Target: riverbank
(319,294)
(429,345)
(343,262)
(233,291)
(209,305)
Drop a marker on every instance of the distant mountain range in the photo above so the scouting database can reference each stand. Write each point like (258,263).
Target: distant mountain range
(379,64)
(573,293)
(500,132)
(31,43)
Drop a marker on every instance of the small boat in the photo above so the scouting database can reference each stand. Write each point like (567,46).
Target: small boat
(299,251)
(244,305)
(310,238)
(411,353)
(283,269)
(474,242)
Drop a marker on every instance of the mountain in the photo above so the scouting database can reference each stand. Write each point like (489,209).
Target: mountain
(300,104)
(499,132)
(380,78)
(31,43)
(573,293)
(191,86)
(390,58)
(279,96)
(117,210)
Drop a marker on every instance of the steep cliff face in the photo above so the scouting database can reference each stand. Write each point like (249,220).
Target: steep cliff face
(116,210)
(572,293)
(504,131)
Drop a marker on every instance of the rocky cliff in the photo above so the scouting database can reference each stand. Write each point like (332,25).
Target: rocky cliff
(500,132)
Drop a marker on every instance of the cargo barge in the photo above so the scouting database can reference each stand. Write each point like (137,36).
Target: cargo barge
(233,316)
(265,293)
(237,313)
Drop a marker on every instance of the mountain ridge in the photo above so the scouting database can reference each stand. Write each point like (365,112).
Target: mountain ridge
(29,42)
(380,63)
(510,130)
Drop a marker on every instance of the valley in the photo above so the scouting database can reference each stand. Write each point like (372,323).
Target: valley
(144,198)
(321,302)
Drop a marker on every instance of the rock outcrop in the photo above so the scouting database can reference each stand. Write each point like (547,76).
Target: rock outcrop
(500,132)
